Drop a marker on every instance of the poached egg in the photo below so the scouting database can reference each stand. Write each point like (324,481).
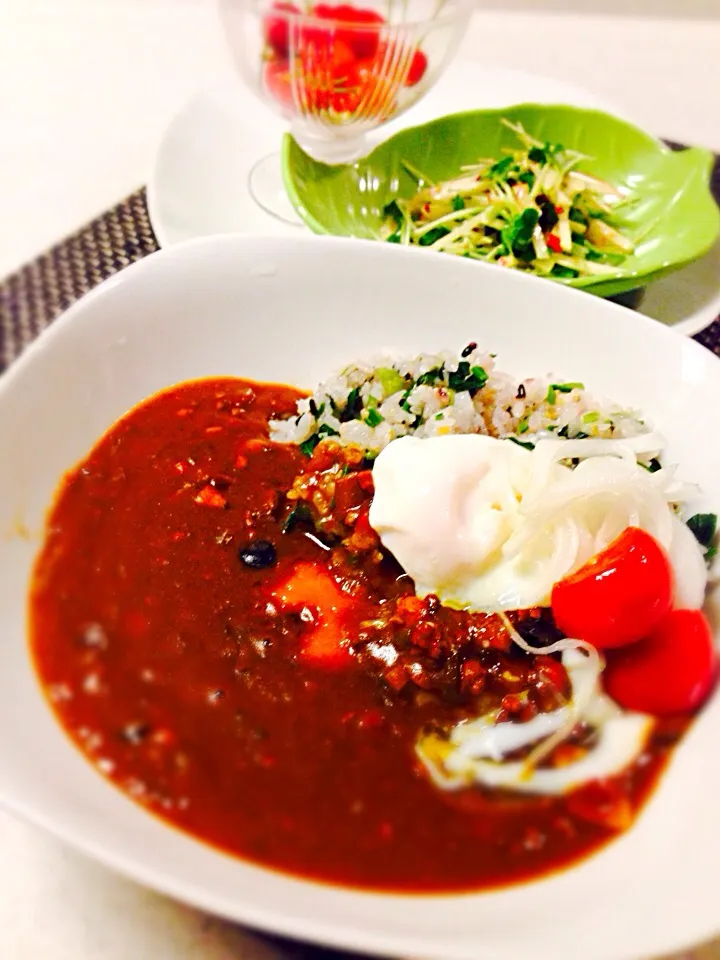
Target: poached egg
(487,524)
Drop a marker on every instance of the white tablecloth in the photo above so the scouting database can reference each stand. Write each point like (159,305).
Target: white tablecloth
(86,89)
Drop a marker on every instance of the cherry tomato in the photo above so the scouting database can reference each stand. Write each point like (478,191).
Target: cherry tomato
(325,71)
(325,55)
(340,58)
(277,29)
(324,11)
(355,88)
(375,93)
(418,66)
(364,43)
(328,74)
(670,671)
(277,82)
(345,101)
(362,73)
(617,597)
(316,37)
(320,70)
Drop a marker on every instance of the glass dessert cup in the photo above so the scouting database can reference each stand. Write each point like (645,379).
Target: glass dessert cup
(337,73)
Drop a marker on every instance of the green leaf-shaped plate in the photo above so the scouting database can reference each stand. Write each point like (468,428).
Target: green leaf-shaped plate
(673,221)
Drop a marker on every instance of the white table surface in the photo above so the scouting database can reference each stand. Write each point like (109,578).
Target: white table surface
(86,89)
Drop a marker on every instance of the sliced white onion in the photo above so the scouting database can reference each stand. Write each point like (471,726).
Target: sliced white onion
(644,443)
(549,452)
(689,567)
(603,495)
(485,739)
(476,748)
(583,669)
(620,742)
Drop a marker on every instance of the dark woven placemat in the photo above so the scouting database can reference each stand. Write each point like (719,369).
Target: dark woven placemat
(39,292)
(32,297)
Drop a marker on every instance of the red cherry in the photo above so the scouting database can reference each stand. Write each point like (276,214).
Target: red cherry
(418,66)
(619,596)
(277,82)
(671,671)
(277,29)
(364,43)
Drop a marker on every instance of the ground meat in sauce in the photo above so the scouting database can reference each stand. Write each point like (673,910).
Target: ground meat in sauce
(158,635)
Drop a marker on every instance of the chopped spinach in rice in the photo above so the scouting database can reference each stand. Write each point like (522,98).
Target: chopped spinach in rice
(370,403)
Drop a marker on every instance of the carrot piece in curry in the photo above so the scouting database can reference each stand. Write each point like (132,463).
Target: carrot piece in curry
(311,586)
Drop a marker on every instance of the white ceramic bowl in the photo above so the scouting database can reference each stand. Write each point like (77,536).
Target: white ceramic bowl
(291,310)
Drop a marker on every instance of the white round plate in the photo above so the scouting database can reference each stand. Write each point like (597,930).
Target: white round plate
(689,300)
(262,308)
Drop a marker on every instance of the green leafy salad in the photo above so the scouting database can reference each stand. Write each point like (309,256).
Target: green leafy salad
(533,210)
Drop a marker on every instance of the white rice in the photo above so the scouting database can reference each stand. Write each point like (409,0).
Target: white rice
(390,402)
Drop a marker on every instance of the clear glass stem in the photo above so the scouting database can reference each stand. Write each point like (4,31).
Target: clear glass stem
(331,148)
(267,189)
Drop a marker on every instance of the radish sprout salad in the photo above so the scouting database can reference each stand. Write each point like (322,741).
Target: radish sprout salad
(532,210)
